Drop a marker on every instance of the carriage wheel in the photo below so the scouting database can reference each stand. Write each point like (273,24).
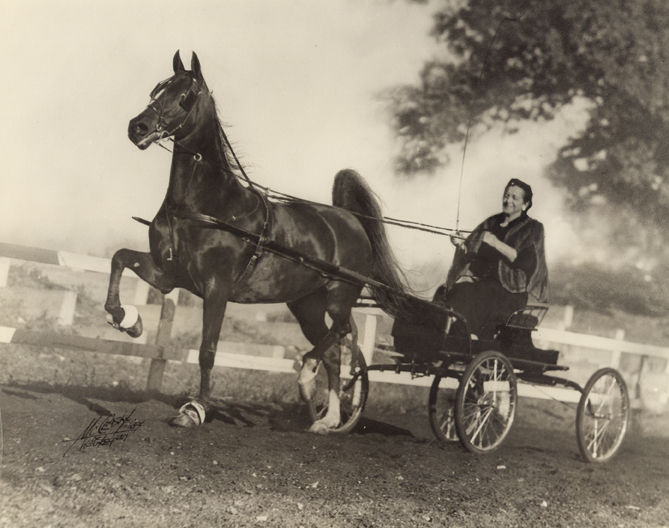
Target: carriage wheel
(602,415)
(485,403)
(352,393)
(441,409)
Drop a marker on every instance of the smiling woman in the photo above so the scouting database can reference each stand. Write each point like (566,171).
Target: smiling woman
(499,267)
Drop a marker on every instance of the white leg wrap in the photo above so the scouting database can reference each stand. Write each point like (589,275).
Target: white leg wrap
(131,316)
(194,410)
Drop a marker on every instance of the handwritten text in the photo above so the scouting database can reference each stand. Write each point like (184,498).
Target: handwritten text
(105,430)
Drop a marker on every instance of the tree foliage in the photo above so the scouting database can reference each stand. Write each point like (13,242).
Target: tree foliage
(517,60)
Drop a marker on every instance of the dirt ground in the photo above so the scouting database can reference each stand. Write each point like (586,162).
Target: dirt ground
(254,465)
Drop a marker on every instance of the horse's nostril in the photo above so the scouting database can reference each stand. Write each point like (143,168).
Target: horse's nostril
(140,129)
(137,128)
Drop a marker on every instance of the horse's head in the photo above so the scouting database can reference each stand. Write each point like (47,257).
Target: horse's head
(172,103)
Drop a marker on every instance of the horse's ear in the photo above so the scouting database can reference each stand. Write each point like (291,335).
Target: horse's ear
(195,67)
(177,64)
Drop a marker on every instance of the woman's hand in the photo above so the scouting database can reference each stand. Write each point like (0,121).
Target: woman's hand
(494,242)
(490,239)
(458,241)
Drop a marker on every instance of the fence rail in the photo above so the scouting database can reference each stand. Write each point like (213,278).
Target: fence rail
(121,348)
(161,352)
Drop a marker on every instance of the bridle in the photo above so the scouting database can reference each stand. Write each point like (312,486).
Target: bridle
(188,102)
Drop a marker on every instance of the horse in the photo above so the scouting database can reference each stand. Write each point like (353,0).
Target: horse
(221,266)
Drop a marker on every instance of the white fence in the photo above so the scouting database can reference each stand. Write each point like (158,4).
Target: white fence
(656,383)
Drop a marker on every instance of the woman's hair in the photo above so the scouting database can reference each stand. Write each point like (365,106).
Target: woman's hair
(526,189)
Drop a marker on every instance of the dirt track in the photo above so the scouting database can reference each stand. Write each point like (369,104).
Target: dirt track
(253,465)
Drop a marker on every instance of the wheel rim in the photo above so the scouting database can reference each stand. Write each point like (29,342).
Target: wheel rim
(603,416)
(486,403)
(442,411)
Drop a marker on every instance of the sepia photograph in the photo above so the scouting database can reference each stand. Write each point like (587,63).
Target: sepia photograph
(335,263)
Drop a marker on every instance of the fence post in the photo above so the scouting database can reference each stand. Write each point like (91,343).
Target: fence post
(370,338)
(66,315)
(615,354)
(157,367)
(568,318)
(141,292)
(5,263)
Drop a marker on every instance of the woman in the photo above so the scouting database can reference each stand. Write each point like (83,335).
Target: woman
(499,267)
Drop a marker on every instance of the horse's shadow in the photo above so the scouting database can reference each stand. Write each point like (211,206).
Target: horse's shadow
(294,418)
(86,395)
(286,418)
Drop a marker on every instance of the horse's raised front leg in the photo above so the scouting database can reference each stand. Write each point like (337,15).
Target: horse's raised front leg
(215,301)
(125,317)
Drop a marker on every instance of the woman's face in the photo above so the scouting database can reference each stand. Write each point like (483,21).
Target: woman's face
(513,202)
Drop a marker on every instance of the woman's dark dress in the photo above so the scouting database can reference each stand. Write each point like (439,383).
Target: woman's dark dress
(493,286)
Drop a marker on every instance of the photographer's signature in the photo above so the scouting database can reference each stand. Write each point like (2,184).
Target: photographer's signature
(105,430)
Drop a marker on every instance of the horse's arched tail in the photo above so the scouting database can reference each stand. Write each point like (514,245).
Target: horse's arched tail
(351,192)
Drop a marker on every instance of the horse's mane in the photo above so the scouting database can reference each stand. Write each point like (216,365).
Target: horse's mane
(231,160)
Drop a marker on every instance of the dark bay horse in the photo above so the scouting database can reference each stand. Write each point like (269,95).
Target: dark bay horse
(220,266)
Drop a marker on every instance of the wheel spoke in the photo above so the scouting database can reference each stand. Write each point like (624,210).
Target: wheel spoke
(605,394)
(596,438)
(482,426)
(446,421)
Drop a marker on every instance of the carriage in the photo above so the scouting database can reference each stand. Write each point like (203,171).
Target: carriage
(228,240)
(474,393)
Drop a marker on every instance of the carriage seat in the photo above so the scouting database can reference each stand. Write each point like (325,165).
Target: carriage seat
(528,318)
(515,336)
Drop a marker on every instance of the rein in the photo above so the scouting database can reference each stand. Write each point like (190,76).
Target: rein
(188,103)
(437,230)
(264,192)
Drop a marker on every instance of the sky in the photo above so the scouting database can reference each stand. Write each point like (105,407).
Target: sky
(296,83)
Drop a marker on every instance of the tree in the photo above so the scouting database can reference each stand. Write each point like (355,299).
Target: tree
(518,60)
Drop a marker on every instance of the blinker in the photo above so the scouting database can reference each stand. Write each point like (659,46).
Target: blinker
(188,101)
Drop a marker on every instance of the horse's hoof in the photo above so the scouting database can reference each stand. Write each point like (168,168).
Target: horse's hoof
(191,414)
(136,329)
(131,323)
(319,428)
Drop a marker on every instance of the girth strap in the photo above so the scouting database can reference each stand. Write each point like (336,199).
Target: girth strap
(262,240)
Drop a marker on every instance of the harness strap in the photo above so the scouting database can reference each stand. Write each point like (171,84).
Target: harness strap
(323,267)
(262,241)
